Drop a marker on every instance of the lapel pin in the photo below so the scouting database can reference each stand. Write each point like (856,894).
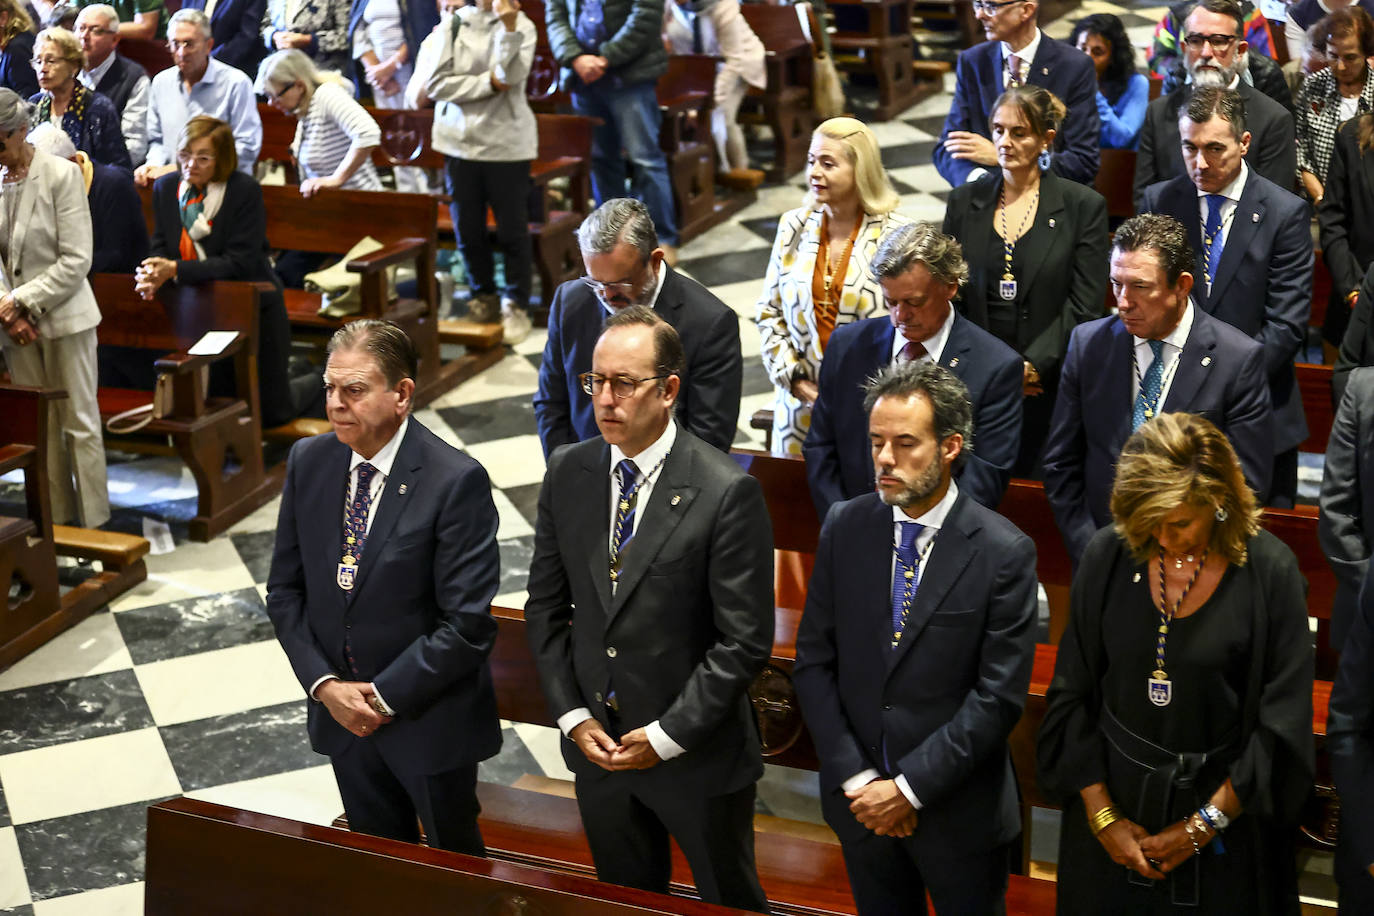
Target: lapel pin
(675,500)
(1051,222)
(1207,360)
(1135,578)
(1044,71)
(954,362)
(1254,217)
(401,490)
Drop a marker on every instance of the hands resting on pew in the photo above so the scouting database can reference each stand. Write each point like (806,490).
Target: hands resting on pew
(145,175)
(349,702)
(15,323)
(634,752)
(881,807)
(151,274)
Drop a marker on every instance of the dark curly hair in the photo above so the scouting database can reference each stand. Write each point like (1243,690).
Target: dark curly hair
(1122,63)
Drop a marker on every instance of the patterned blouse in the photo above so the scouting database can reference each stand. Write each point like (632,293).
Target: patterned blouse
(325,21)
(91,121)
(1317,117)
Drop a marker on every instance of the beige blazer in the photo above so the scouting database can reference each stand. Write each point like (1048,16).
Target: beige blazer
(787,322)
(48,248)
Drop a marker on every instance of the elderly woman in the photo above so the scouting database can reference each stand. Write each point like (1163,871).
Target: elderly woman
(88,117)
(16,49)
(1179,722)
(1122,93)
(319,28)
(1036,247)
(818,276)
(48,312)
(209,224)
(1330,97)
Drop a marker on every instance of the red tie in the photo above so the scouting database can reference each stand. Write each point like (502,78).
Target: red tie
(1014,63)
(913,350)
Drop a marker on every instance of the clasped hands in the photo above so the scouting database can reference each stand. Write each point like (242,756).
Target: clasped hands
(151,274)
(589,67)
(1151,855)
(633,752)
(15,322)
(350,703)
(882,807)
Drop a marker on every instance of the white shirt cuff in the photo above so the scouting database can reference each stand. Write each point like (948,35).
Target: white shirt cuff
(906,790)
(665,747)
(316,686)
(573,718)
(975,174)
(385,705)
(859,780)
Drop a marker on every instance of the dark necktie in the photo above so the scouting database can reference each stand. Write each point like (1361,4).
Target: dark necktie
(1014,67)
(698,41)
(913,351)
(1147,401)
(623,527)
(905,577)
(355,521)
(1211,238)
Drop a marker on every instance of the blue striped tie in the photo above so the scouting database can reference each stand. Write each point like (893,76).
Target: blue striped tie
(905,577)
(1211,238)
(1147,401)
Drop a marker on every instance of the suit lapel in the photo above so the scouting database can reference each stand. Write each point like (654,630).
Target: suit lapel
(323,496)
(943,566)
(593,501)
(982,201)
(1035,246)
(404,474)
(871,559)
(1121,363)
(1245,223)
(1194,365)
(25,208)
(672,496)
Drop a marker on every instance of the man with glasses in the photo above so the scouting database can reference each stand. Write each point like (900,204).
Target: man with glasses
(1018,53)
(143,19)
(1214,55)
(196,85)
(650,612)
(113,75)
(234,25)
(1259,69)
(626,267)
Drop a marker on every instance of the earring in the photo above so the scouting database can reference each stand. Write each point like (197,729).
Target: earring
(1221,514)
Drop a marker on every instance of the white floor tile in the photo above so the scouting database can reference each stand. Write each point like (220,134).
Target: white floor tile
(123,900)
(511,377)
(309,795)
(898,133)
(724,239)
(514,462)
(190,571)
(84,775)
(511,599)
(511,523)
(544,745)
(93,646)
(263,518)
(14,884)
(219,682)
(534,343)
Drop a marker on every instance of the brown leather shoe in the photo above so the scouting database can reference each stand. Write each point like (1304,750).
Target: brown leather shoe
(741,179)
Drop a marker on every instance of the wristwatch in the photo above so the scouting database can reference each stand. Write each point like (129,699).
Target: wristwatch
(1217,818)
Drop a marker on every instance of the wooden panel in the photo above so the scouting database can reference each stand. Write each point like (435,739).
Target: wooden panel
(1314,382)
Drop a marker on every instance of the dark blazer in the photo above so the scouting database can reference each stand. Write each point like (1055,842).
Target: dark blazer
(943,703)
(1350,739)
(15,70)
(1058,67)
(1357,344)
(704,548)
(1065,256)
(419,616)
(234,26)
(1265,75)
(1345,212)
(839,465)
(1346,524)
(1273,147)
(118,83)
(1220,375)
(96,131)
(1262,284)
(119,230)
(708,404)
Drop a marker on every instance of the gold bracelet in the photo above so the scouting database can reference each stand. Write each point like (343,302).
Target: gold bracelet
(1103,818)
(1188,828)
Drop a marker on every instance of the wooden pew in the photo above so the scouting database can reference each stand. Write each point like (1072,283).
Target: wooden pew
(874,37)
(1116,171)
(1314,383)
(959,13)
(37,610)
(154,56)
(784,105)
(219,438)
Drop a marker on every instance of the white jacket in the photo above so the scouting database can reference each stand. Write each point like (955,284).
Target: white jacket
(455,66)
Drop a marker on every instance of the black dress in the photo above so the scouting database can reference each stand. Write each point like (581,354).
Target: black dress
(1241,670)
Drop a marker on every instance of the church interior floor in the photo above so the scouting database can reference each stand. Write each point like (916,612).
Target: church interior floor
(179,686)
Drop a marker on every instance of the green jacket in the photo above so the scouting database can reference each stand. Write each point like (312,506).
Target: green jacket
(634,52)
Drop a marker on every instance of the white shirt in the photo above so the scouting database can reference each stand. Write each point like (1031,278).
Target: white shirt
(133,120)
(933,519)
(382,461)
(934,344)
(649,470)
(653,300)
(1170,353)
(1231,193)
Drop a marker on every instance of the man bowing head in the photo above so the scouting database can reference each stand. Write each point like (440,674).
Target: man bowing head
(380,591)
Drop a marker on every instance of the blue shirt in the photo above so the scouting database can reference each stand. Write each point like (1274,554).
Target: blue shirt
(1122,121)
(223,92)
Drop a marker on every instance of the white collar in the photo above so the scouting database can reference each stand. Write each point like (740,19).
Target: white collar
(98,74)
(658,285)
(1233,190)
(648,459)
(1027,54)
(934,344)
(386,455)
(1179,335)
(934,517)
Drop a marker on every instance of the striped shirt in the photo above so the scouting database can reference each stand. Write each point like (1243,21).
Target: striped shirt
(330,126)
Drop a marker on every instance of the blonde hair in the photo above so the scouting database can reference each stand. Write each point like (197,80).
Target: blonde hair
(876,194)
(1179,459)
(281,69)
(19,20)
(65,41)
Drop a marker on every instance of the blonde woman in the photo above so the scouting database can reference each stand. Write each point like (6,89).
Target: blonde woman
(89,118)
(818,276)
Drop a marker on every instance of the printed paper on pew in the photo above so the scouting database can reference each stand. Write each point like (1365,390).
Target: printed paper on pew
(213,343)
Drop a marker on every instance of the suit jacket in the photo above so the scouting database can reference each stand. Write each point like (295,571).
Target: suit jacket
(1065,256)
(937,709)
(1262,283)
(1346,525)
(16,71)
(1350,739)
(1220,375)
(53,239)
(418,619)
(689,627)
(1346,207)
(839,465)
(1058,67)
(119,81)
(708,403)
(1357,346)
(234,26)
(1273,146)
(120,231)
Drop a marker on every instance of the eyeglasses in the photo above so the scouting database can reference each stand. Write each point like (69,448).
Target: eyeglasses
(190,45)
(1218,42)
(622,386)
(278,96)
(95,30)
(201,161)
(991,7)
(42,63)
(624,288)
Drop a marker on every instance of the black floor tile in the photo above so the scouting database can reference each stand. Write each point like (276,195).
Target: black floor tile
(735,267)
(526,499)
(25,910)
(86,707)
(255,550)
(488,421)
(194,625)
(4,809)
(765,227)
(514,761)
(908,154)
(516,554)
(84,852)
(245,745)
(756,380)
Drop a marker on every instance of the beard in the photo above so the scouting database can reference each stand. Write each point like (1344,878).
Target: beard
(1215,75)
(912,491)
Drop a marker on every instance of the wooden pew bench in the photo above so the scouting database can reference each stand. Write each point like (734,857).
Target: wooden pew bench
(874,37)
(784,104)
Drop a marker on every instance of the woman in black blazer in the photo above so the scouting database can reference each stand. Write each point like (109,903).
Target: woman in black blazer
(1344,214)
(209,224)
(1037,247)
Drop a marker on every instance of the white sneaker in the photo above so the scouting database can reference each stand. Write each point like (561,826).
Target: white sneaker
(515,322)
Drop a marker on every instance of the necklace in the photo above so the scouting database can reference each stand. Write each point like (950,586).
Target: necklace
(1007,288)
(828,270)
(622,512)
(1209,240)
(1160,688)
(1152,407)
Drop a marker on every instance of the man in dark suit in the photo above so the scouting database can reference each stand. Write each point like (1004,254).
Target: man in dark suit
(1350,739)
(234,25)
(1113,381)
(920,269)
(1253,244)
(1213,55)
(1357,343)
(1017,53)
(913,662)
(113,75)
(380,591)
(650,612)
(625,267)
(1346,525)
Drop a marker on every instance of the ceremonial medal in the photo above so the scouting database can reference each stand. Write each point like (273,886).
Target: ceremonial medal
(1161,689)
(348,571)
(1007,288)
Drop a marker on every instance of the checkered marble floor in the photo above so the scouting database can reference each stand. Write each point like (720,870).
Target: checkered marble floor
(179,687)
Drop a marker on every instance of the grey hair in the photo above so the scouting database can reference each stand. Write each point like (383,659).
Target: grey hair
(14,112)
(901,248)
(100,9)
(192,17)
(52,140)
(282,68)
(385,342)
(620,220)
(948,396)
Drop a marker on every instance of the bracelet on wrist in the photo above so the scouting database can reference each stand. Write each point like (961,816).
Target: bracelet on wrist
(1192,837)
(1103,818)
